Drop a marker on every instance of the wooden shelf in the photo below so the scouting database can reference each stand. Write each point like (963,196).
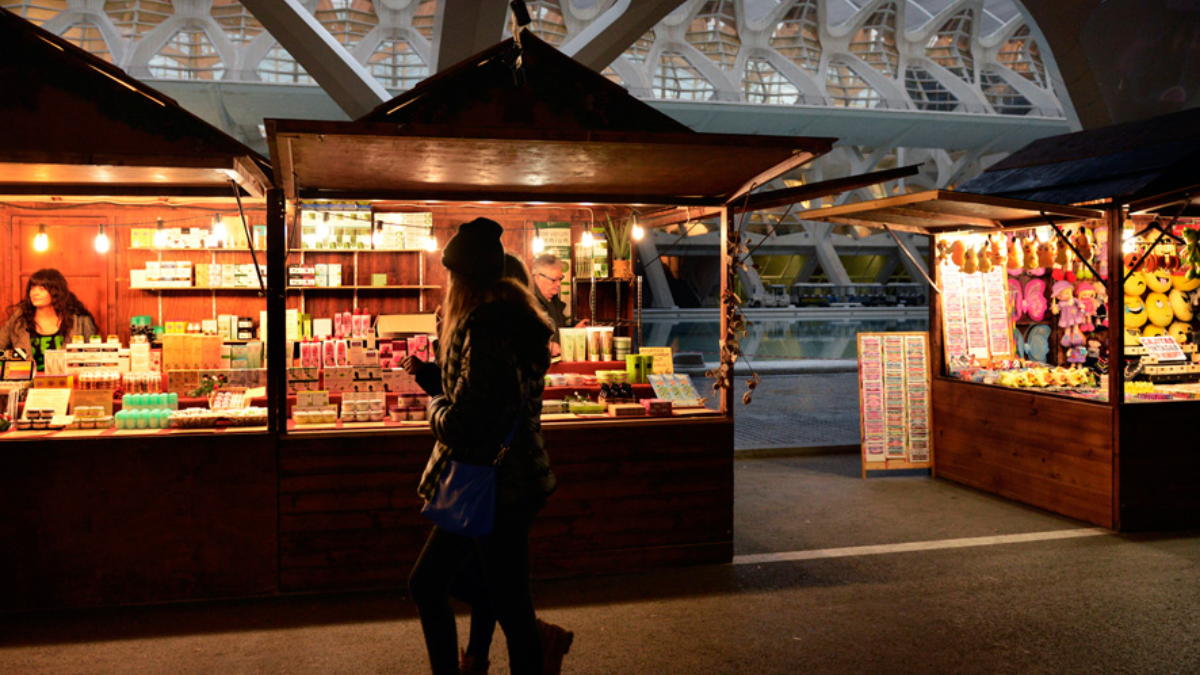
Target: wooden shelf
(195,288)
(196,250)
(357,250)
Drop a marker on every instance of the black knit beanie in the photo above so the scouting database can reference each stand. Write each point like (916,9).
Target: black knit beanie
(476,251)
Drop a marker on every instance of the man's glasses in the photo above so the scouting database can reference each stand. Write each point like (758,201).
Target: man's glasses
(557,280)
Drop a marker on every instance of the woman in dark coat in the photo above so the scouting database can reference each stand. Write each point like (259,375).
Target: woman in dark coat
(493,349)
(47,317)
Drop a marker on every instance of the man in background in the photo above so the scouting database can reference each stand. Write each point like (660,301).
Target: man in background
(548,273)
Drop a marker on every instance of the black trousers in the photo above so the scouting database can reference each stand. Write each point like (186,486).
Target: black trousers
(489,573)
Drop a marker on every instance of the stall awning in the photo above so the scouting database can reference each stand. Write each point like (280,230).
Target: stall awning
(935,211)
(359,160)
(74,124)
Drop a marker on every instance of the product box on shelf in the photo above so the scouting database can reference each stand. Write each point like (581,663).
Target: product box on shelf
(338,378)
(398,381)
(303,379)
(367,378)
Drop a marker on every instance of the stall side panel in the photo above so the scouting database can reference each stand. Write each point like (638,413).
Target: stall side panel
(1046,451)
(1159,468)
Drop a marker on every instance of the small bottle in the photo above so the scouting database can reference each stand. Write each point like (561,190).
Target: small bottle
(347,323)
(605,392)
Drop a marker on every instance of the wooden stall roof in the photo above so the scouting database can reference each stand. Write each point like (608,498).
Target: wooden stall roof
(936,211)
(354,160)
(551,130)
(1122,163)
(74,124)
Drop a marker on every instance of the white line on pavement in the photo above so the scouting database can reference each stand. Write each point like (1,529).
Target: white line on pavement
(792,556)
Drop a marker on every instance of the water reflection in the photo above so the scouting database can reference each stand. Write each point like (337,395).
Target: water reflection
(776,338)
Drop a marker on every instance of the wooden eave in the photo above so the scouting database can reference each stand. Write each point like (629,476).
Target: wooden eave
(936,211)
(364,160)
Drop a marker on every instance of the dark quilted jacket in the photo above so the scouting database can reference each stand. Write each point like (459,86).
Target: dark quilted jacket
(501,351)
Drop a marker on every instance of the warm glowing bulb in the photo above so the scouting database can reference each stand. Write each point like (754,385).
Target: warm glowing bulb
(538,245)
(586,239)
(377,239)
(323,227)
(432,245)
(637,232)
(219,230)
(102,241)
(160,239)
(41,242)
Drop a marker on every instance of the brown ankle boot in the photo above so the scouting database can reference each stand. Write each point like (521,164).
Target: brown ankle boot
(556,642)
(469,665)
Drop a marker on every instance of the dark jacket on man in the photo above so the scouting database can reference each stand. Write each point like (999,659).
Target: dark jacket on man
(556,309)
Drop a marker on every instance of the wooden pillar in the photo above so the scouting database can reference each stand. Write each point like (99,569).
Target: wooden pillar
(277,356)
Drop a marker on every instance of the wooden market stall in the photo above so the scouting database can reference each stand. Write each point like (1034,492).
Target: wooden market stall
(1112,459)
(539,139)
(101,517)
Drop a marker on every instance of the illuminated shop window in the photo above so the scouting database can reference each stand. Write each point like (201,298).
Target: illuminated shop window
(762,83)
(926,92)
(1001,95)
(548,23)
(135,18)
(423,19)
(280,67)
(36,11)
(1022,55)
(188,55)
(640,48)
(348,21)
(950,47)
(875,41)
(237,22)
(677,78)
(87,36)
(847,89)
(714,32)
(397,65)
(798,37)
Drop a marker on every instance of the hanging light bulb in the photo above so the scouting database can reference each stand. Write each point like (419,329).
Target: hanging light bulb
(637,232)
(586,239)
(323,227)
(432,245)
(538,245)
(377,235)
(41,242)
(220,232)
(101,241)
(160,236)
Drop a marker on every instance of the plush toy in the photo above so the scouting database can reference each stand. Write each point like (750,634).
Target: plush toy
(1135,284)
(1102,252)
(1135,312)
(970,261)
(1191,253)
(1158,280)
(1077,354)
(1062,254)
(957,252)
(1182,332)
(1029,255)
(1015,260)
(1089,305)
(985,259)
(1181,304)
(943,251)
(996,251)
(1158,309)
(1069,311)
(1045,254)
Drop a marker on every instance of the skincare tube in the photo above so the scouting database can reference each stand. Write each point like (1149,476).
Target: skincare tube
(606,343)
(593,343)
(566,340)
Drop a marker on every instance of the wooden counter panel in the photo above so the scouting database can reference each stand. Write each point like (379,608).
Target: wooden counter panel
(631,495)
(1046,451)
(111,521)
(1159,466)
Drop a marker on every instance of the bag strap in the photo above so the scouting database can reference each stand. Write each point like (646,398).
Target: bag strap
(513,431)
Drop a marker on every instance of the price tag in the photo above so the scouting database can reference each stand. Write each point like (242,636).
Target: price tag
(1163,348)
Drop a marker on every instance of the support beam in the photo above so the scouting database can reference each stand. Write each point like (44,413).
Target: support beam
(889,267)
(613,32)
(913,263)
(652,270)
(806,271)
(345,80)
(827,254)
(463,28)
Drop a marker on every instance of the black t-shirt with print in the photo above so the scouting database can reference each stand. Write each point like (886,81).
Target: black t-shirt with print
(41,343)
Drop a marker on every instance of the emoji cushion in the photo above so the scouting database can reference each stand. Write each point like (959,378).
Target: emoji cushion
(1135,311)
(1158,280)
(1183,283)
(1181,304)
(1135,284)
(1182,332)
(1158,308)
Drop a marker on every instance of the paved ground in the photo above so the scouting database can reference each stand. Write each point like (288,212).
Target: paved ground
(1075,601)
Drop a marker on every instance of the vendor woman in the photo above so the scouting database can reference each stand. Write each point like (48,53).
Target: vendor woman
(46,318)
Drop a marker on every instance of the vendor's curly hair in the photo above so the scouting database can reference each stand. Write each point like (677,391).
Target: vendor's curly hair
(65,304)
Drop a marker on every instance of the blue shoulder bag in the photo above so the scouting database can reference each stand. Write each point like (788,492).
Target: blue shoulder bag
(465,500)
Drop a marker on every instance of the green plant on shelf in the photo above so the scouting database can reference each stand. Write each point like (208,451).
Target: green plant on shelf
(617,232)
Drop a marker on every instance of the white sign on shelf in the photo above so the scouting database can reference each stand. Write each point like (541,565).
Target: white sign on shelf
(1163,348)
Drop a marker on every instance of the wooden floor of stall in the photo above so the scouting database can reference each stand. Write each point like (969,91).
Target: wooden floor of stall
(125,520)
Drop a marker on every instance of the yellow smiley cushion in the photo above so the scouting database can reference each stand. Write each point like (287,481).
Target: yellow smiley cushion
(1135,284)
(1158,280)
(1158,308)
(1183,283)
(1182,332)
(1133,337)
(1135,311)
(1153,331)
(1181,304)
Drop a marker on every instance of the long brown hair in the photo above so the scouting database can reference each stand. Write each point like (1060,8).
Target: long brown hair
(464,295)
(65,304)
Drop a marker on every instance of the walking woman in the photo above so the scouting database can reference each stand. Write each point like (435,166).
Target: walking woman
(493,350)
(46,318)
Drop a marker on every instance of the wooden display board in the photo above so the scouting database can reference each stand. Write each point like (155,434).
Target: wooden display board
(894,401)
